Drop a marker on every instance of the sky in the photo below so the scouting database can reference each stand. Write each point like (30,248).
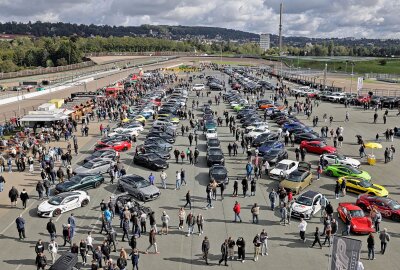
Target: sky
(311,18)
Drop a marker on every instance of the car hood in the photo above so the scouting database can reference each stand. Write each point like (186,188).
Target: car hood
(149,190)
(160,162)
(290,184)
(219,177)
(353,161)
(45,206)
(65,185)
(277,171)
(215,157)
(361,223)
(365,175)
(382,191)
(300,208)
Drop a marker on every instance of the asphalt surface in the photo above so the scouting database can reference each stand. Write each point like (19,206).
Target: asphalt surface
(180,252)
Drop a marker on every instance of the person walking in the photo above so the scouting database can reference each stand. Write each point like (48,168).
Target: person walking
(178,180)
(235,188)
(264,242)
(163,177)
(190,221)
(337,190)
(231,248)
(152,241)
(151,179)
(316,238)
(302,227)
(164,223)
(200,223)
(135,258)
(241,244)
(224,253)
(41,261)
(283,214)
(371,246)
(245,187)
(188,200)
(83,250)
(51,229)
(257,246)
(236,211)
(24,198)
(13,195)
(385,238)
(20,222)
(205,247)
(2,180)
(377,220)
(272,198)
(255,211)
(53,250)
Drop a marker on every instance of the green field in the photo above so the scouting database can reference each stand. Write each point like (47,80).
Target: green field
(231,63)
(392,66)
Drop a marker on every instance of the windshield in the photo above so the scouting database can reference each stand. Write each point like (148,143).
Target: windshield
(357,213)
(56,200)
(218,171)
(76,178)
(273,152)
(365,184)
(88,165)
(304,200)
(340,157)
(281,166)
(354,170)
(295,176)
(142,183)
(215,152)
(153,157)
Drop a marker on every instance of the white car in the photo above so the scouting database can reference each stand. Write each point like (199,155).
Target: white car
(335,158)
(256,125)
(138,127)
(306,205)
(283,168)
(256,132)
(62,203)
(128,132)
(198,87)
(335,97)
(211,133)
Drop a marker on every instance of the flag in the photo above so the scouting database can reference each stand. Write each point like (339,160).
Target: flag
(345,253)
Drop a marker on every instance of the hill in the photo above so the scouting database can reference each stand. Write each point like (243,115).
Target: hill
(41,29)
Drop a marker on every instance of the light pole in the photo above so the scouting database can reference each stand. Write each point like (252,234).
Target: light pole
(352,74)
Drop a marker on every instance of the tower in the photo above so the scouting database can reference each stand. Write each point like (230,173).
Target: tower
(280,28)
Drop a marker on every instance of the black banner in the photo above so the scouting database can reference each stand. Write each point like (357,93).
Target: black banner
(345,253)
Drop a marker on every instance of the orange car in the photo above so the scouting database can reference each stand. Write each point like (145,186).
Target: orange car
(267,106)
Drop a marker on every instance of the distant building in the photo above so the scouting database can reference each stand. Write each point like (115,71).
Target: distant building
(265,42)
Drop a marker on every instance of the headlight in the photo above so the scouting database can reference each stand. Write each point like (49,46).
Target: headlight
(355,227)
(222,159)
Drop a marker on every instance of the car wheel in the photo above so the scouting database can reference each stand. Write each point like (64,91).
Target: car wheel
(56,212)
(84,202)
(371,193)
(96,185)
(329,173)
(141,197)
(125,148)
(120,188)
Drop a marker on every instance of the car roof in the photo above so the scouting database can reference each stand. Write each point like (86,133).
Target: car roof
(68,194)
(287,161)
(310,194)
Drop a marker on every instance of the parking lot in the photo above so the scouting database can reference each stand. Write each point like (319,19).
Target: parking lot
(177,251)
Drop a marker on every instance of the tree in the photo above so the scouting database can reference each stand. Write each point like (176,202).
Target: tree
(382,62)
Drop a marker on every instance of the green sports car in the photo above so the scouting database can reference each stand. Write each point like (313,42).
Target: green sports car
(340,170)
(79,182)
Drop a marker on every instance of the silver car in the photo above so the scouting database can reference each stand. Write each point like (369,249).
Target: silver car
(94,166)
(138,187)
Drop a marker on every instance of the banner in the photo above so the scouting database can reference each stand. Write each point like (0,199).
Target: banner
(345,253)
(360,84)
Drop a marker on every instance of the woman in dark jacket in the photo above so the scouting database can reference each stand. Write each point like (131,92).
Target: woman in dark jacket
(371,247)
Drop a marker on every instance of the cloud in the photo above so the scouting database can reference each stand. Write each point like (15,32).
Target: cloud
(314,18)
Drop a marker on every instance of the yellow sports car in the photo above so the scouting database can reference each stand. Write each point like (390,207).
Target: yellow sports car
(359,185)
(140,118)
(299,179)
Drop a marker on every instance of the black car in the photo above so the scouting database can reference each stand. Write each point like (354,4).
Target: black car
(213,142)
(215,156)
(161,135)
(245,114)
(299,137)
(273,156)
(219,173)
(105,153)
(215,87)
(161,152)
(126,200)
(262,138)
(251,121)
(151,161)
(80,182)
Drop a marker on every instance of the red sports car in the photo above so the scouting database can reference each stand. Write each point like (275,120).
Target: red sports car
(389,208)
(317,147)
(116,145)
(359,223)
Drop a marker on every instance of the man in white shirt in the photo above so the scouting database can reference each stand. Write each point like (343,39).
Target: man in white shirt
(302,227)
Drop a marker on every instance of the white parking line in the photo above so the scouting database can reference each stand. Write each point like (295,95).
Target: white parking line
(13,222)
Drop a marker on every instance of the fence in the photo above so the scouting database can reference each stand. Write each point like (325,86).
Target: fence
(41,71)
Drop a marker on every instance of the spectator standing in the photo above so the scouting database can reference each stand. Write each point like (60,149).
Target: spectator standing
(20,222)
(205,247)
(385,238)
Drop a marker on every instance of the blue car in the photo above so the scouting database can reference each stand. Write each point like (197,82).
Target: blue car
(288,126)
(304,128)
(210,124)
(268,145)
